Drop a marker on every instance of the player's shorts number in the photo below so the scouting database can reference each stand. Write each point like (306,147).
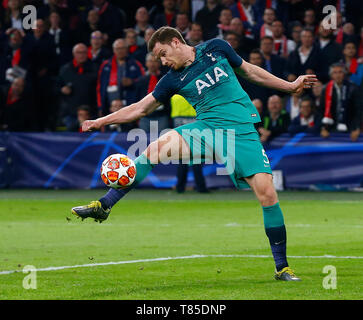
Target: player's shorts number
(265,160)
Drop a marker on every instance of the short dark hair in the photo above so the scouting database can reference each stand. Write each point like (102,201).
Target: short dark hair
(84,107)
(164,35)
(267,37)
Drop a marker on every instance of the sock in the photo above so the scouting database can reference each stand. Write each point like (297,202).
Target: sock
(143,167)
(276,233)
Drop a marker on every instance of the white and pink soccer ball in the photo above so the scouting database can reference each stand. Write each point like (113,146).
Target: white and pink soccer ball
(118,171)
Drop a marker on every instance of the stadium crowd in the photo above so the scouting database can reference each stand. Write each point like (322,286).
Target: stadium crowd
(88,58)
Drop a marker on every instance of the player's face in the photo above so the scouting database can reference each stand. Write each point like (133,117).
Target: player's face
(169,54)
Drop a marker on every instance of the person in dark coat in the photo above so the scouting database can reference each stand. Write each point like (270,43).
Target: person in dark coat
(77,86)
(330,52)
(168,17)
(272,62)
(307,121)
(340,104)
(43,70)
(304,59)
(208,17)
(97,52)
(14,107)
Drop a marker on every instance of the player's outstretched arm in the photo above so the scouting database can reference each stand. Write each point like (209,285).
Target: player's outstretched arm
(262,77)
(127,114)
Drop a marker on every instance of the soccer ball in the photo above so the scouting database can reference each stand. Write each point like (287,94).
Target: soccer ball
(118,171)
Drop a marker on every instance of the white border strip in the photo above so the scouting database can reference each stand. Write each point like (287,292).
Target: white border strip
(195,256)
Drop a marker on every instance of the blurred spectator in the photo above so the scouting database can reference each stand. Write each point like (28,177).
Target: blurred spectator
(61,7)
(182,23)
(182,113)
(296,30)
(43,69)
(269,17)
(310,20)
(134,51)
(304,59)
(83,114)
(168,17)
(208,17)
(340,106)
(330,51)
(111,21)
(292,104)
(77,86)
(142,23)
(96,52)
(355,70)
(282,46)
(83,34)
(145,85)
(347,34)
(305,121)
(276,121)
(17,53)
(272,62)
(316,93)
(338,32)
(15,108)
(246,44)
(281,8)
(244,10)
(117,77)
(224,26)
(360,47)
(143,48)
(116,105)
(61,39)
(254,91)
(234,40)
(195,35)
(13,17)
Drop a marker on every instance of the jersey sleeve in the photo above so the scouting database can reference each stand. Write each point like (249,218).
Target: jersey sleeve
(163,90)
(233,58)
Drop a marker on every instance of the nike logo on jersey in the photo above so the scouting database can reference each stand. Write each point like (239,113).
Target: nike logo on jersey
(218,73)
(183,77)
(210,56)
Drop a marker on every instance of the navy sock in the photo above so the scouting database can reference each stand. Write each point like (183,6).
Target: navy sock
(276,233)
(143,167)
(112,197)
(277,239)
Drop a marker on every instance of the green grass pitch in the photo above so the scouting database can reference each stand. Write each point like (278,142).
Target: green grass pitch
(34,230)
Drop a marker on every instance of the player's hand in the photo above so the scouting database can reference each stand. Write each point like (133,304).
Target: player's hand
(354,135)
(90,125)
(303,82)
(324,133)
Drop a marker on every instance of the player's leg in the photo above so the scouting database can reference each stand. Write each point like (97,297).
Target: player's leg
(262,185)
(169,146)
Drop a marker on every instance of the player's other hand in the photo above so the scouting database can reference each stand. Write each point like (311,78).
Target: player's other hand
(90,125)
(303,82)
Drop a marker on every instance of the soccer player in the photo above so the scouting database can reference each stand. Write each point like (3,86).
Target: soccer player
(205,76)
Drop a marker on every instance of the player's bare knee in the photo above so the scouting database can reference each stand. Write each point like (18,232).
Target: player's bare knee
(266,194)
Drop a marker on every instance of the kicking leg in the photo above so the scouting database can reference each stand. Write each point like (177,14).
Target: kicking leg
(262,185)
(169,146)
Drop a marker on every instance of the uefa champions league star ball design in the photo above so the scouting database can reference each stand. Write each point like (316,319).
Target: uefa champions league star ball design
(118,171)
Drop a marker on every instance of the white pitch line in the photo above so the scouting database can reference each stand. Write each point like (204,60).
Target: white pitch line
(195,256)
